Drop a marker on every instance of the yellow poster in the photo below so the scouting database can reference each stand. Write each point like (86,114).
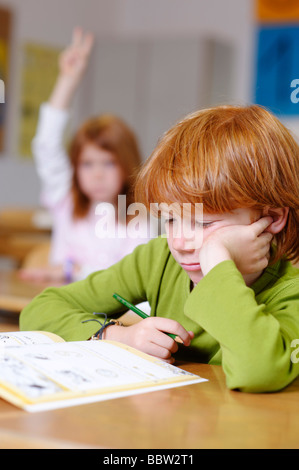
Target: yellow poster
(39,72)
(278,10)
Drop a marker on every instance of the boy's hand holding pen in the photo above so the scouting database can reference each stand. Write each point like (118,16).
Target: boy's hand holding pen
(149,336)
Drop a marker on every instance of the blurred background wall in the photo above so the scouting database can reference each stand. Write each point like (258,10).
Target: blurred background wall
(153,62)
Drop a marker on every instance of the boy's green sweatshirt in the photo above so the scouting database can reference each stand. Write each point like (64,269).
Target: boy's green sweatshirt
(249,330)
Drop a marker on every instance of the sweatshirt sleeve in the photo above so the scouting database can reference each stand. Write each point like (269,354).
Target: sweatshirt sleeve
(255,337)
(50,157)
(61,310)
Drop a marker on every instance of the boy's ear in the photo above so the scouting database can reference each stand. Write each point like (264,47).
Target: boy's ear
(279,216)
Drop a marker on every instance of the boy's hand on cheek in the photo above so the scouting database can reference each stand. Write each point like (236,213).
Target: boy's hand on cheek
(247,245)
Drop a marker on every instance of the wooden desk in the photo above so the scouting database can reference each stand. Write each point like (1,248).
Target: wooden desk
(22,220)
(8,321)
(205,415)
(16,293)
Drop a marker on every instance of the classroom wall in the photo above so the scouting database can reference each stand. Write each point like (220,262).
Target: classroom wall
(154,61)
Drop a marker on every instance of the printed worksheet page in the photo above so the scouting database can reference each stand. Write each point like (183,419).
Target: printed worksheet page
(81,371)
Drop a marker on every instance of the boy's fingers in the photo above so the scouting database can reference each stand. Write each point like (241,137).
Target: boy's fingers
(267,237)
(261,224)
(173,327)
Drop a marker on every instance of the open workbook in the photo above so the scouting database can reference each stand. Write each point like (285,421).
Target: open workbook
(40,371)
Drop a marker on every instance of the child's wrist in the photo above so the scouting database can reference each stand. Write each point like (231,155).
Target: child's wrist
(113,332)
(212,255)
(63,92)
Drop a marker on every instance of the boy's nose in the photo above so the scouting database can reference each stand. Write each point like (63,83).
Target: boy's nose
(183,243)
(179,243)
(187,240)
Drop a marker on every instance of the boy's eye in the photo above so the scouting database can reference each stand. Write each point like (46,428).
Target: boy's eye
(203,224)
(197,223)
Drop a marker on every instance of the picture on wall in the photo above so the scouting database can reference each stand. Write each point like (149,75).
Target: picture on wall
(39,72)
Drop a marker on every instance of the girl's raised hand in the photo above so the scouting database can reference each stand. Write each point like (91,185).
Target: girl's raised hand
(72,64)
(73,60)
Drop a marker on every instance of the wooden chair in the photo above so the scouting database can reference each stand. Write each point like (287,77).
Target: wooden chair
(21,232)
(38,256)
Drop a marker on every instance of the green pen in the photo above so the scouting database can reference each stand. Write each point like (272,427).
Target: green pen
(141,314)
